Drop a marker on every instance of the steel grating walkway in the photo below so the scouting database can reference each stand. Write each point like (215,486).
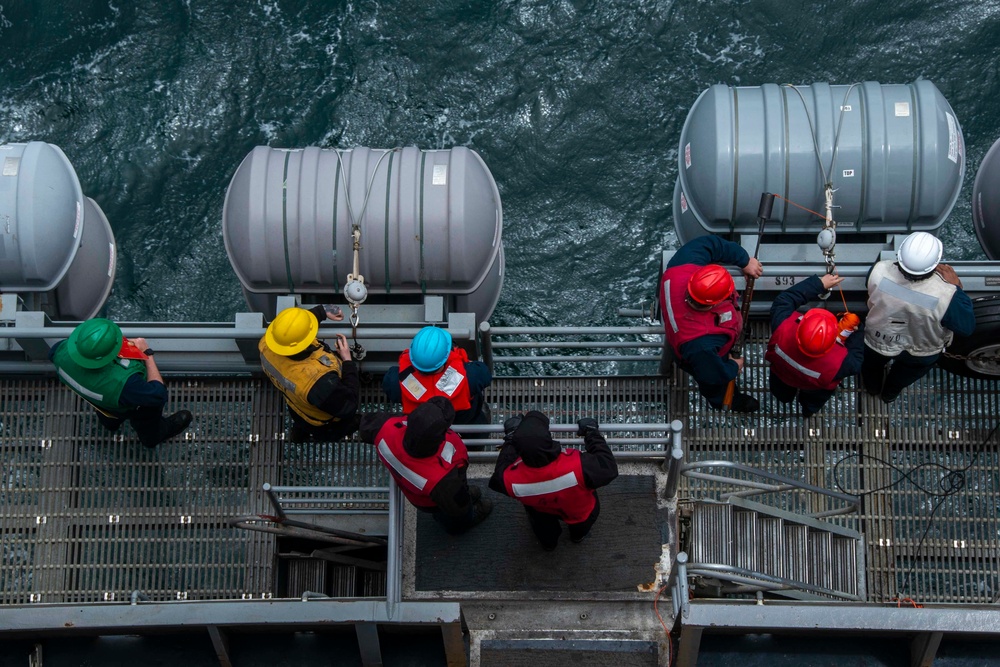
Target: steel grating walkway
(89,517)
(908,460)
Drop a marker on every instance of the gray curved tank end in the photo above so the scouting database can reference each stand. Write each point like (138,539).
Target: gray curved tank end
(431,221)
(893,152)
(87,285)
(42,214)
(986,202)
(685,223)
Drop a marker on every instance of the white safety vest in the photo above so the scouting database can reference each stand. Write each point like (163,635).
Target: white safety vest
(905,315)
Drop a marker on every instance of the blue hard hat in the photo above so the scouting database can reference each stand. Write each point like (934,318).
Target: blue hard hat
(430,349)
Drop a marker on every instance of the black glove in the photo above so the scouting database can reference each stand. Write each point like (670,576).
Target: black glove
(587,425)
(511,425)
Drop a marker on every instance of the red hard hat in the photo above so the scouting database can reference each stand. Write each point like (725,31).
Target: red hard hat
(710,284)
(817,332)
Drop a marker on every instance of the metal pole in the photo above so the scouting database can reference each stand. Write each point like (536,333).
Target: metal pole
(275,502)
(673,462)
(393,566)
(487,342)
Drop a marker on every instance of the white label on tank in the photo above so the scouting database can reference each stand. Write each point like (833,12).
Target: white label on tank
(10,166)
(952,138)
(848,173)
(440,176)
(79,219)
(846,107)
(111,259)
(902,109)
(687,156)
(684,203)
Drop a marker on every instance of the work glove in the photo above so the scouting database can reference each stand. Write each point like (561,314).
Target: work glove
(511,425)
(587,425)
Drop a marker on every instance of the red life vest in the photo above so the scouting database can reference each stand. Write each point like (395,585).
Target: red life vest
(449,381)
(682,323)
(556,488)
(417,477)
(797,369)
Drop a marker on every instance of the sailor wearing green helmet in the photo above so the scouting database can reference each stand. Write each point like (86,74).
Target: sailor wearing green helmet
(119,388)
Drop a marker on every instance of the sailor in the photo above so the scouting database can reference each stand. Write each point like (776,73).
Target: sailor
(120,389)
(433,367)
(915,307)
(429,462)
(320,385)
(553,484)
(809,355)
(700,316)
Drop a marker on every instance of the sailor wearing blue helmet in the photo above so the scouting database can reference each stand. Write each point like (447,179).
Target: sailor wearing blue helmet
(431,367)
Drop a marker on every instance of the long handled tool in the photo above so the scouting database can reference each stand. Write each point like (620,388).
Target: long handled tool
(763,213)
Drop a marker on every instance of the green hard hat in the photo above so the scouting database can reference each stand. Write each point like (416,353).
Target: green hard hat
(94,343)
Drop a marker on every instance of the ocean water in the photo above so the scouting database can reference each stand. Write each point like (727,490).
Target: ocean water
(575,105)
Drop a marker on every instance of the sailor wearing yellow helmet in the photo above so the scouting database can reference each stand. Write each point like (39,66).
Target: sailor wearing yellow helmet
(320,385)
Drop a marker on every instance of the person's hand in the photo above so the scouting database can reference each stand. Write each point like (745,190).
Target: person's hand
(587,425)
(948,275)
(830,280)
(333,312)
(753,269)
(343,349)
(738,360)
(140,343)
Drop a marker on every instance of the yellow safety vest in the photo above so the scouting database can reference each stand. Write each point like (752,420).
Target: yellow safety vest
(296,378)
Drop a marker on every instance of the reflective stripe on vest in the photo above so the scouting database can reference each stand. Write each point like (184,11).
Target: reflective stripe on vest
(566,481)
(796,365)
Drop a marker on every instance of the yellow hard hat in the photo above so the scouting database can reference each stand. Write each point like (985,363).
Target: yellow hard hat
(292,331)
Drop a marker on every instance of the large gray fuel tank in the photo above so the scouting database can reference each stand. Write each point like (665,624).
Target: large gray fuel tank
(55,243)
(986,202)
(894,154)
(430,223)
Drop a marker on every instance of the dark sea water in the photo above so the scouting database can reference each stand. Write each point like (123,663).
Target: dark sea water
(576,106)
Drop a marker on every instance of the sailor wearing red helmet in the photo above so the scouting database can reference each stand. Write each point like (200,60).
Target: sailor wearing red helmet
(700,316)
(808,356)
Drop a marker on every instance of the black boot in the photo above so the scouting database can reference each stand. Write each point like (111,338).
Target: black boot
(176,423)
(745,403)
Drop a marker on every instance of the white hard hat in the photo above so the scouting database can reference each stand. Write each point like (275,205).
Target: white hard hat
(919,253)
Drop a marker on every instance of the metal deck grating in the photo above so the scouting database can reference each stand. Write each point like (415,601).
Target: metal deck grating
(90,516)
(938,423)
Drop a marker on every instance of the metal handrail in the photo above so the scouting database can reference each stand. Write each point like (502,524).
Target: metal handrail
(487,332)
(764,581)
(785,483)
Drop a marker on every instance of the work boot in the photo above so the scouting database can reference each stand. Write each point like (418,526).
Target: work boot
(481,509)
(745,403)
(177,423)
(475,493)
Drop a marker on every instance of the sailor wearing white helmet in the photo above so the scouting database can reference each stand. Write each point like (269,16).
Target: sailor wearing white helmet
(915,306)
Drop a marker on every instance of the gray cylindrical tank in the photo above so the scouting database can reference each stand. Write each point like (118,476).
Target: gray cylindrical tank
(430,221)
(894,153)
(42,209)
(986,202)
(56,246)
